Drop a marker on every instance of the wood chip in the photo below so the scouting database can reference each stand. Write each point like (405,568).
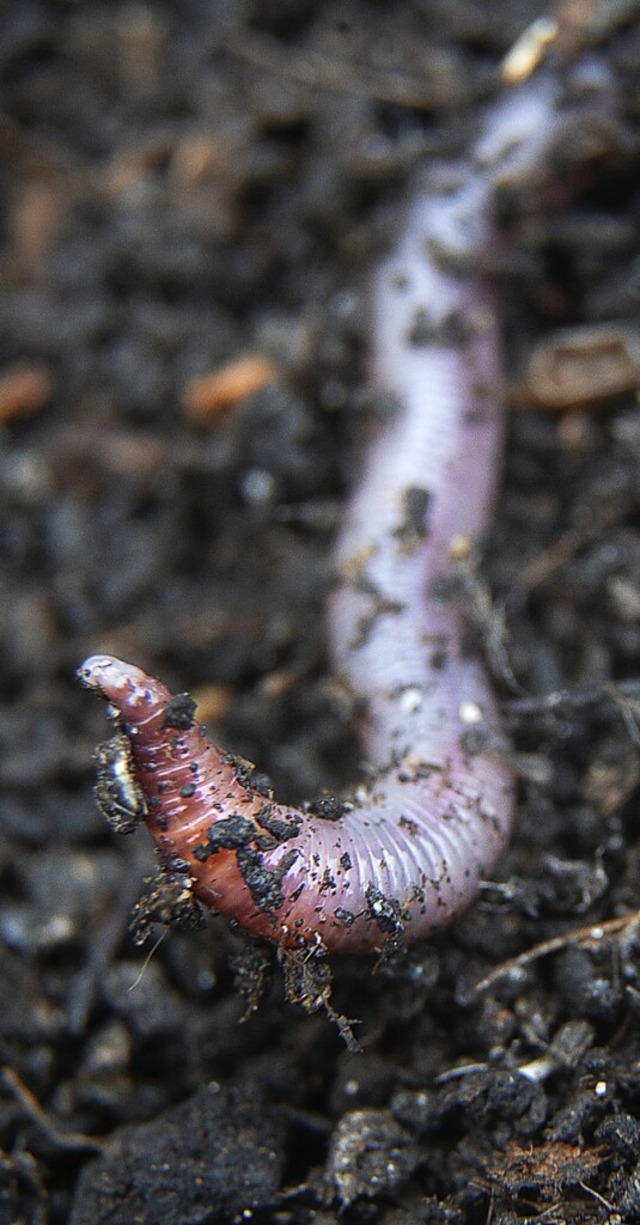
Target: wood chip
(24,388)
(206,397)
(583,365)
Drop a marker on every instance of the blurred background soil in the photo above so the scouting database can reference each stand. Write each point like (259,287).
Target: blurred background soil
(192,196)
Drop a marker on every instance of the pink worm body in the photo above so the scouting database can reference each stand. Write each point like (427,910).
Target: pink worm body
(407,853)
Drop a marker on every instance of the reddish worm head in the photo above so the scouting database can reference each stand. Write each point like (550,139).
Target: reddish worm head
(409,851)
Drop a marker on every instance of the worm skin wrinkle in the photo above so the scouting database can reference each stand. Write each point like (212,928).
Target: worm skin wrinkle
(408,851)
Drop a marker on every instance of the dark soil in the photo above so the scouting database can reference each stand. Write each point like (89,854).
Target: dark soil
(182,184)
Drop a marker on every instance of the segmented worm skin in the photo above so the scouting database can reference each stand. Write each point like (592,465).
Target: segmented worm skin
(408,852)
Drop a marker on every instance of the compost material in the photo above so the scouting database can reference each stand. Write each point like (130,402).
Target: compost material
(193,198)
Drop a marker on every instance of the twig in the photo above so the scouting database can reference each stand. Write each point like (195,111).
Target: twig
(594,934)
(31,1106)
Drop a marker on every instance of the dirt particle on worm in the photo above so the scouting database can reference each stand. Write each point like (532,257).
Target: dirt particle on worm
(180,713)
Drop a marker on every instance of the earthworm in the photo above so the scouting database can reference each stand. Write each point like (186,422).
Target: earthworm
(408,851)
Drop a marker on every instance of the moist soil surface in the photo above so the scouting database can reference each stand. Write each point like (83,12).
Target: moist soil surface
(189,189)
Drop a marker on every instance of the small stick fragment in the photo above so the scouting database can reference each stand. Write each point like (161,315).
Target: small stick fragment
(594,934)
(51,1128)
